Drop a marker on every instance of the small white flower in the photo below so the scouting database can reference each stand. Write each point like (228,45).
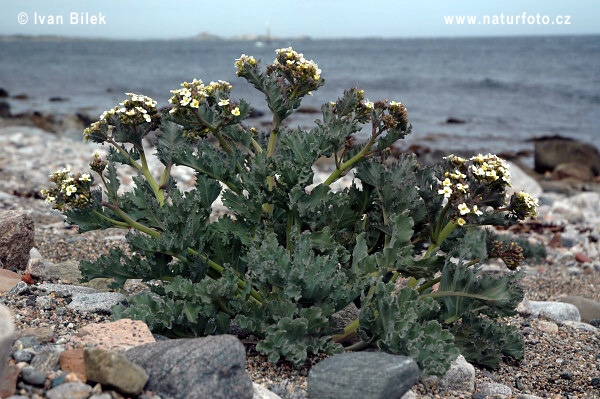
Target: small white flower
(477,211)
(195,103)
(463,208)
(446,182)
(461,222)
(70,190)
(446,192)
(224,102)
(84,177)
(368,104)
(50,199)
(147,118)
(235,111)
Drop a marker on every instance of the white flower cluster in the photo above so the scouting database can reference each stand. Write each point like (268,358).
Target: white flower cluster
(70,190)
(294,65)
(242,62)
(134,110)
(523,205)
(490,168)
(191,95)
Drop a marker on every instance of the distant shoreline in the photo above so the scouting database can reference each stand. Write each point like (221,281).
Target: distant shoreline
(207,37)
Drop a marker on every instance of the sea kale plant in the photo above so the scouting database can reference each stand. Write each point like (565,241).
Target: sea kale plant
(400,241)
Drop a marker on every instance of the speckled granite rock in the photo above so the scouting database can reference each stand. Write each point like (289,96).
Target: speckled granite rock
(117,335)
(96,302)
(195,368)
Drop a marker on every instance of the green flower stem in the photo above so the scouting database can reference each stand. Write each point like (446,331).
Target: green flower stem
(165,177)
(438,226)
(224,144)
(360,345)
(117,223)
(337,173)
(349,332)
(428,284)
(158,192)
(125,153)
(449,228)
(256,146)
(134,224)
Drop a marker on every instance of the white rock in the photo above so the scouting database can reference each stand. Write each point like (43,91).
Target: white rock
(495,389)
(460,376)
(557,311)
(548,327)
(97,302)
(409,395)
(261,392)
(580,326)
(521,181)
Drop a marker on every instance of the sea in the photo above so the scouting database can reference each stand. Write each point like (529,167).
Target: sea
(507,91)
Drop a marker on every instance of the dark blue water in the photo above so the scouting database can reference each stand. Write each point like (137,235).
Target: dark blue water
(506,89)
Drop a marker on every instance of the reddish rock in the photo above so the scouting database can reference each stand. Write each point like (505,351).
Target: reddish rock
(8,280)
(27,279)
(121,334)
(71,360)
(581,258)
(8,382)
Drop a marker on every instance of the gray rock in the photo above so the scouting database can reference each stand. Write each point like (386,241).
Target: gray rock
(18,289)
(548,327)
(70,390)
(524,396)
(557,311)
(43,302)
(46,360)
(261,392)
(588,308)
(66,289)
(7,334)
(580,326)
(212,367)
(67,271)
(574,271)
(460,376)
(22,356)
(362,375)
(16,238)
(409,395)
(113,369)
(32,376)
(495,389)
(97,302)
(35,254)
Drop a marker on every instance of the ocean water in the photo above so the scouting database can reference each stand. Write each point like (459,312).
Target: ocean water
(507,90)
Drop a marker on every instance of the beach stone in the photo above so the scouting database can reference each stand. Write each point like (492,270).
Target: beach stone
(7,335)
(100,302)
(113,369)
(71,360)
(524,396)
(588,308)
(100,284)
(16,238)
(261,392)
(409,395)
(575,170)
(212,367)
(20,289)
(8,280)
(41,334)
(495,389)
(32,376)
(582,258)
(22,356)
(43,302)
(548,327)
(70,390)
(580,326)
(66,289)
(557,311)
(362,375)
(460,376)
(8,380)
(524,307)
(46,360)
(116,335)
(521,181)
(553,151)
(67,271)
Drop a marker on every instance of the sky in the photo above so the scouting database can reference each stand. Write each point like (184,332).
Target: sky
(154,19)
